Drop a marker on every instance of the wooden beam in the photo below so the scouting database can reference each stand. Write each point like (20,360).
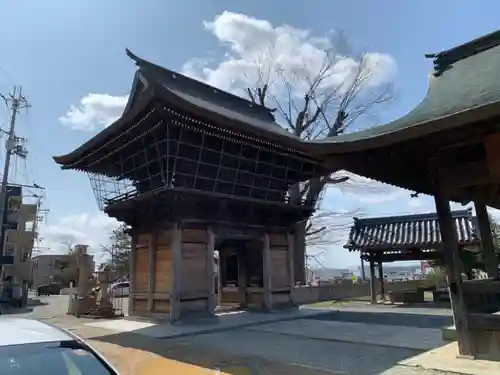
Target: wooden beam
(386,258)
(363,275)
(381,280)
(484,322)
(484,286)
(373,290)
(454,275)
(175,303)
(464,175)
(210,271)
(267,272)
(487,244)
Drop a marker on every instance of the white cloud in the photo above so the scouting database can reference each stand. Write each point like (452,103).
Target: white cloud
(90,229)
(250,43)
(290,51)
(94,111)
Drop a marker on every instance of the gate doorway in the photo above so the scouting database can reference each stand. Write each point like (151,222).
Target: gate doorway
(240,273)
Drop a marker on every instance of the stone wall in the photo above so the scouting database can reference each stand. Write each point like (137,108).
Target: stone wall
(346,290)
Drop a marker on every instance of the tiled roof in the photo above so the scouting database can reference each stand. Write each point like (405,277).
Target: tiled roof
(465,77)
(407,232)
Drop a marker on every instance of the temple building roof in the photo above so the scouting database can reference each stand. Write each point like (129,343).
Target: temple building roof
(462,104)
(464,86)
(409,232)
(226,110)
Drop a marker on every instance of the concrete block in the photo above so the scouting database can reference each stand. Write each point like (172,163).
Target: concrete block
(449,333)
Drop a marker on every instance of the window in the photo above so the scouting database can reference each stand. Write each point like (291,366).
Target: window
(10,249)
(10,235)
(14,203)
(61,358)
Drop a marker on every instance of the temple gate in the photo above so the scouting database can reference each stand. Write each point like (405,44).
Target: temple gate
(194,170)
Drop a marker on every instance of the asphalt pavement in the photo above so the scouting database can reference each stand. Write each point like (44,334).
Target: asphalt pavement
(303,347)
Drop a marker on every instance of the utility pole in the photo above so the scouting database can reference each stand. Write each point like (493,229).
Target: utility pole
(13,146)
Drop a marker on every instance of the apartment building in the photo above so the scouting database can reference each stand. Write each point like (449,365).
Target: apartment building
(19,236)
(60,268)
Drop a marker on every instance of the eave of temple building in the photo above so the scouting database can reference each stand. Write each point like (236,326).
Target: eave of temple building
(409,237)
(182,140)
(464,88)
(450,134)
(154,84)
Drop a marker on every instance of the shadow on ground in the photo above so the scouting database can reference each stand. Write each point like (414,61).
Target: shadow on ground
(388,318)
(243,351)
(206,356)
(32,303)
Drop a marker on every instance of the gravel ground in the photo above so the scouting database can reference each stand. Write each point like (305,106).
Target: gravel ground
(339,357)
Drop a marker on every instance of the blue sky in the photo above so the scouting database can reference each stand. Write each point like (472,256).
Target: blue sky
(61,51)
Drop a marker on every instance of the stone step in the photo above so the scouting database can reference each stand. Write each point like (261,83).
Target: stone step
(449,333)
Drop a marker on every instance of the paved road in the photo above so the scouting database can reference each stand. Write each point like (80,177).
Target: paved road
(268,349)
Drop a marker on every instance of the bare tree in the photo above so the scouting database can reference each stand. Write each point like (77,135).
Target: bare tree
(325,103)
(118,250)
(323,228)
(67,268)
(69,246)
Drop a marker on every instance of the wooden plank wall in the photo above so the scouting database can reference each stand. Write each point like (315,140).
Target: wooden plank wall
(153,291)
(281,268)
(140,275)
(194,285)
(163,273)
(152,274)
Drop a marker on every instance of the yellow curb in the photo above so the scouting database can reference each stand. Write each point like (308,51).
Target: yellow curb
(162,366)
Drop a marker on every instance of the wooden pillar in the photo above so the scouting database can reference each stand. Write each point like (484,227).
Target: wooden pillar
(454,276)
(242,280)
(131,274)
(210,271)
(300,256)
(373,290)
(291,245)
(266,272)
(175,300)
(152,271)
(487,244)
(363,273)
(381,280)
(219,280)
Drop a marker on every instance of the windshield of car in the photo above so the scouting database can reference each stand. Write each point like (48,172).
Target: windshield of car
(60,358)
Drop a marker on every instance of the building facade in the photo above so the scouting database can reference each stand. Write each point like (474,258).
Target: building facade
(19,236)
(57,268)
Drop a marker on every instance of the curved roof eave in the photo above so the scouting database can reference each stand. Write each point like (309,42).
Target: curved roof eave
(461,91)
(464,90)
(212,100)
(131,110)
(398,131)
